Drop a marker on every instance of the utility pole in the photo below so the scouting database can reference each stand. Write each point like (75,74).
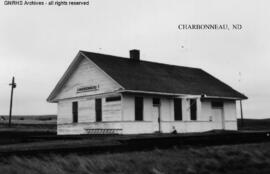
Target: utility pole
(241,111)
(13,85)
(159,120)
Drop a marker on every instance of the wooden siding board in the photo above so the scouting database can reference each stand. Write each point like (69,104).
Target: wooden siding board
(147,109)
(111,111)
(64,112)
(185,107)
(165,109)
(86,111)
(230,110)
(128,109)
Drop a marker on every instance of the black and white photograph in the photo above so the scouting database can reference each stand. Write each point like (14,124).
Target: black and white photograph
(133,86)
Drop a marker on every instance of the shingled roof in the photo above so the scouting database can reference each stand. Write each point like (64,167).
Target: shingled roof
(161,78)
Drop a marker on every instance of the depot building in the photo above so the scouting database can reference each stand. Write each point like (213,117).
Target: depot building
(105,94)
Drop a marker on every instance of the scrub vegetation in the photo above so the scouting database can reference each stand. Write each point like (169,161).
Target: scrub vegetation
(237,159)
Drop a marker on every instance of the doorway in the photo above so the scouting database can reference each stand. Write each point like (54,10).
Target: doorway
(156,115)
(218,115)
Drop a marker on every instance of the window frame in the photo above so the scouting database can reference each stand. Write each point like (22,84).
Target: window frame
(75,112)
(138,108)
(154,101)
(217,104)
(98,109)
(178,109)
(193,109)
(113,99)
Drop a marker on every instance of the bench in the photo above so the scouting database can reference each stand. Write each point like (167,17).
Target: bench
(103,131)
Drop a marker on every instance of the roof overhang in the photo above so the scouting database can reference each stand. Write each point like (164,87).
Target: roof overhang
(176,95)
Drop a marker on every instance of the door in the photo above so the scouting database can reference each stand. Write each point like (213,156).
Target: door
(98,110)
(155,116)
(138,108)
(217,116)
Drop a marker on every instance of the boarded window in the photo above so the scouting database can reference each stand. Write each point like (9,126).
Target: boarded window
(138,108)
(217,104)
(193,109)
(75,112)
(98,106)
(112,99)
(177,109)
(156,101)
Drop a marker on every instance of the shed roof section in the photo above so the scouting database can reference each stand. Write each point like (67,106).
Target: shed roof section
(162,78)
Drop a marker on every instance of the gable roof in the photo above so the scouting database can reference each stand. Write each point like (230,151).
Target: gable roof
(161,78)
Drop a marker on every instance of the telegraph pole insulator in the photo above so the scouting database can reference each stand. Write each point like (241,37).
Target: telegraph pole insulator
(13,85)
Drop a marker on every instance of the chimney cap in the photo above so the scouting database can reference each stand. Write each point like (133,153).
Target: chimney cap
(134,54)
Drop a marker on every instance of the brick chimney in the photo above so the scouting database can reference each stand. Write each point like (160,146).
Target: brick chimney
(134,55)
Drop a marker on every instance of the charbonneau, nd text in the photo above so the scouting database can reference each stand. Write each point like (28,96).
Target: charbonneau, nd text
(209,27)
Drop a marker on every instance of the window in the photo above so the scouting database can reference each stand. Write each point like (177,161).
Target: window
(75,112)
(98,106)
(156,101)
(177,109)
(112,99)
(217,104)
(138,108)
(193,109)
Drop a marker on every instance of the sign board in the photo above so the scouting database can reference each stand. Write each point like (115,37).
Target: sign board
(87,88)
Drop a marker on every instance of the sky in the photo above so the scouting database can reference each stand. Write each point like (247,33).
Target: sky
(37,43)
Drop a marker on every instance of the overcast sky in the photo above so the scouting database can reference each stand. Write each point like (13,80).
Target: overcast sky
(38,43)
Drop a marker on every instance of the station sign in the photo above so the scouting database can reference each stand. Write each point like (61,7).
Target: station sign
(87,88)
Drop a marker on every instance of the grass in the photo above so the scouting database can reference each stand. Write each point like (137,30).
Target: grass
(254,124)
(30,119)
(28,124)
(238,159)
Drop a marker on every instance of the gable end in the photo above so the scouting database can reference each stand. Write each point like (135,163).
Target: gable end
(83,77)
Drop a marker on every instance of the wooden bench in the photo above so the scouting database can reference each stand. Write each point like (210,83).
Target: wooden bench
(103,131)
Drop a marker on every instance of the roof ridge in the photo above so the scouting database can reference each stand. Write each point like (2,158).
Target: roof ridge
(146,61)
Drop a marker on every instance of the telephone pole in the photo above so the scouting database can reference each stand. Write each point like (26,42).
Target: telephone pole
(241,112)
(13,85)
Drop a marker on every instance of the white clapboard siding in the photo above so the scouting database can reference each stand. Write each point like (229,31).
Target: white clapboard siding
(111,111)
(64,111)
(230,110)
(128,108)
(86,111)
(87,74)
(147,108)
(199,109)
(186,109)
(206,114)
(166,109)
